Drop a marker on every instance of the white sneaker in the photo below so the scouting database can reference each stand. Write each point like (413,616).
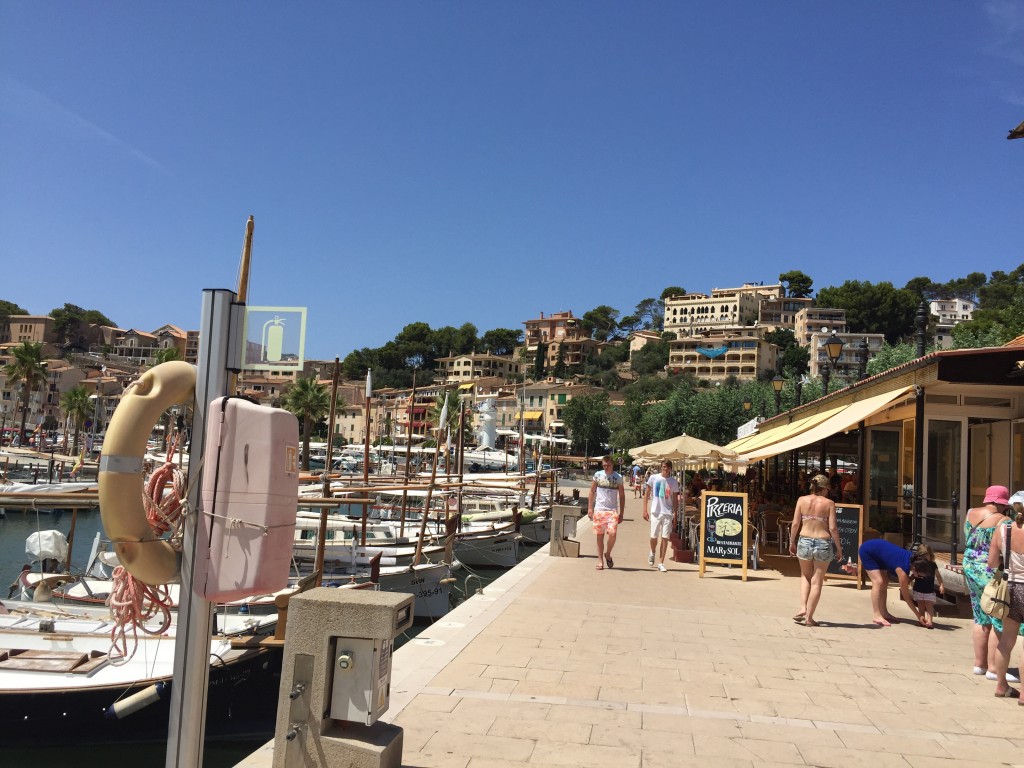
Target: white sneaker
(980,670)
(1010,677)
(650,559)
(662,568)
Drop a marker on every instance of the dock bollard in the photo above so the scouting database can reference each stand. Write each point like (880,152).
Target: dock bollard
(336,679)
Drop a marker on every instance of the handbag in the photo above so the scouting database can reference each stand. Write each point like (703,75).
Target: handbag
(995,599)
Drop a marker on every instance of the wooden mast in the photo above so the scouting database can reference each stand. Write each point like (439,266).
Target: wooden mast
(321,541)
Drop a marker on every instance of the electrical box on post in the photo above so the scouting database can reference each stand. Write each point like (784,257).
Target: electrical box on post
(362,679)
(336,679)
(250,493)
(563,526)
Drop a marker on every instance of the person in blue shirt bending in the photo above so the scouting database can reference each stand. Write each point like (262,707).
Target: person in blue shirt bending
(878,558)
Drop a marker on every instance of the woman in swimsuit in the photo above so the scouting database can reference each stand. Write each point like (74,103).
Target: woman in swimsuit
(815,541)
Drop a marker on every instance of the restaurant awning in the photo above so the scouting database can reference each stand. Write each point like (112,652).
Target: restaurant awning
(781,432)
(532,414)
(467,385)
(845,418)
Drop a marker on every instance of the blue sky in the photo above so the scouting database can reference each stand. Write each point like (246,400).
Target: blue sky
(482,161)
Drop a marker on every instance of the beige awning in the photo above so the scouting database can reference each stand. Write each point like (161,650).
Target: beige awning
(775,434)
(844,419)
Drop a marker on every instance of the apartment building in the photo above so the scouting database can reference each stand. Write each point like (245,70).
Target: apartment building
(33,328)
(739,352)
(564,337)
(855,347)
(949,312)
(459,369)
(544,403)
(696,313)
(813,320)
(781,311)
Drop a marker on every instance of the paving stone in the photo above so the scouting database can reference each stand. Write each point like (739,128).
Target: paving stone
(589,755)
(595,715)
(585,668)
(477,745)
(542,730)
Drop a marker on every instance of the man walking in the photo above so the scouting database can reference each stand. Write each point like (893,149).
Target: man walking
(606,508)
(661,505)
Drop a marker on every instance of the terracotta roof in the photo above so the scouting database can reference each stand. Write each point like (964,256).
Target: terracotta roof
(1018,342)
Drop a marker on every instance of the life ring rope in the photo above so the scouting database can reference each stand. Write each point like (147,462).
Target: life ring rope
(132,602)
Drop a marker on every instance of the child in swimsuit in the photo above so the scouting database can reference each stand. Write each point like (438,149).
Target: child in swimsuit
(926,575)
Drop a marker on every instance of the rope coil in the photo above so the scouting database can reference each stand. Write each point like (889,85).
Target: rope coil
(133,603)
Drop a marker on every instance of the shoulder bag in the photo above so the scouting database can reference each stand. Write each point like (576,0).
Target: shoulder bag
(995,599)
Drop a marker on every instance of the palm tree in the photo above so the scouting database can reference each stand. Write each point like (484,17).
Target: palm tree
(164,355)
(26,367)
(76,406)
(310,401)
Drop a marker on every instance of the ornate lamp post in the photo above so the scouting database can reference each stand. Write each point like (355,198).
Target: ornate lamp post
(747,405)
(862,360)
(777,383)
(833,350)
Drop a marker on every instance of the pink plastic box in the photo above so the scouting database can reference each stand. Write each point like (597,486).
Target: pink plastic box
(250,495)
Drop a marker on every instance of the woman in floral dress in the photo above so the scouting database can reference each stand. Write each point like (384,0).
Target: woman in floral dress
(981,522)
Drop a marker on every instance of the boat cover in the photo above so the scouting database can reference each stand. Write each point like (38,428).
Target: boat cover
(47,544)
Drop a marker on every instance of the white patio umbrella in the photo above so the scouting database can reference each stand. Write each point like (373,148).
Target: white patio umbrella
(682,448)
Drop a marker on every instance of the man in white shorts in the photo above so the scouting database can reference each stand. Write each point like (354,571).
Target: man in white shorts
(661,505)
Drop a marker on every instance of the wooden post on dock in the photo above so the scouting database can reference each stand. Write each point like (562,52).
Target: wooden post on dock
(433,478)
(408,453)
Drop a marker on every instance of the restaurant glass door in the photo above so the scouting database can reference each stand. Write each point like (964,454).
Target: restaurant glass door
(882,494)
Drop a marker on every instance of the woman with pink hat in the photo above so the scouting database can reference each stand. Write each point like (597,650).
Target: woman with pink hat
(979,526)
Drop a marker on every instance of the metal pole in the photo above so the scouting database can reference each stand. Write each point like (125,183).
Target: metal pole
(918,461)
(366,454)
(826,374)
(187,727)
(954,543)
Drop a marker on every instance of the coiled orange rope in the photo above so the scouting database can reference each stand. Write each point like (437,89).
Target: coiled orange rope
(133,603)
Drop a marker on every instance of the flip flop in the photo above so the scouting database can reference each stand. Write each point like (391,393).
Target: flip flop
(800,616)
(811,623)
(609,561)
(1009,693)
(598,567)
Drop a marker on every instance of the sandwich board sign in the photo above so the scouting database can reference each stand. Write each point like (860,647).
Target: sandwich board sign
(724,531)
(850,523)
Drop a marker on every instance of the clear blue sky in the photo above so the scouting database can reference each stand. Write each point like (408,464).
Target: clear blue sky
(485,161)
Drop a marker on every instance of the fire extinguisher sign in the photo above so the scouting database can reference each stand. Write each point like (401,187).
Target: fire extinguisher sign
(274,339)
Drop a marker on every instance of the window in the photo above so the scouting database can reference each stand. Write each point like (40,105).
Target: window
(561,399)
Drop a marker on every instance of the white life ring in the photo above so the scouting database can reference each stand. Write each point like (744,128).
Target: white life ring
(148,558)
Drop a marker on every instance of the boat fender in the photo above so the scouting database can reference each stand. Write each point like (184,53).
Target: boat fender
(149,558)
(139,700)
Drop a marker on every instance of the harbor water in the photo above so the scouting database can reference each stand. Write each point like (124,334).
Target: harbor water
(17,525)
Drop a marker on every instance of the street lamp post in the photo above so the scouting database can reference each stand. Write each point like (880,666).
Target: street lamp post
(833,350)
(777,383)
(862,361)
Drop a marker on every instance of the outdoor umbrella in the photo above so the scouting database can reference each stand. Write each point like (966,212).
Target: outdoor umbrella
(681,448)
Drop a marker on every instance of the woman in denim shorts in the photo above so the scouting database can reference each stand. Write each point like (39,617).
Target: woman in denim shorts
(814,531)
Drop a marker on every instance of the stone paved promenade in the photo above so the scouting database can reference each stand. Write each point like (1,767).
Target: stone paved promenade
(558,664)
